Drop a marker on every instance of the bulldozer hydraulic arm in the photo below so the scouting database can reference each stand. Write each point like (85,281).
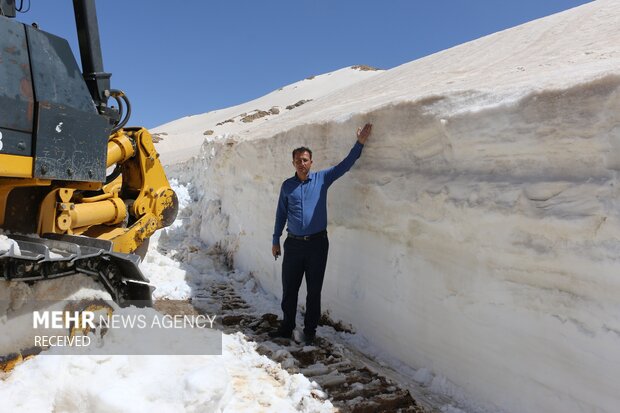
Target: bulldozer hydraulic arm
(128,210)
(88,227)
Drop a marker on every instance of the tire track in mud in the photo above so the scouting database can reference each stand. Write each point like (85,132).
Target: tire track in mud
(347,380)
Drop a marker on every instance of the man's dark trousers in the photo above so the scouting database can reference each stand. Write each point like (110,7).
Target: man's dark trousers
(309,257)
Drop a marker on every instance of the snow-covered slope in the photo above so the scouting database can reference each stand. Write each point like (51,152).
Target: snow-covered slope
(478,235)
(182,138)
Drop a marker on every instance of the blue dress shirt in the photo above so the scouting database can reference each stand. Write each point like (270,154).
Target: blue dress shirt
(304,204)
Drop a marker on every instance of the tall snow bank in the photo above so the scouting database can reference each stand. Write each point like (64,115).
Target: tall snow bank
(478,235)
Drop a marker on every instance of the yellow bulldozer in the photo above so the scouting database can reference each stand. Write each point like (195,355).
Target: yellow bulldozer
(79,191)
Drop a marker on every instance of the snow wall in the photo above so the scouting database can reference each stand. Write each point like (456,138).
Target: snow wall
(483,246)
(477,236)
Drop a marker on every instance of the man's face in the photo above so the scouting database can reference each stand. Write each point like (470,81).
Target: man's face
(302,163)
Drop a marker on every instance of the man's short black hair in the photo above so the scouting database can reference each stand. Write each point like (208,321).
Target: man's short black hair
(302,149)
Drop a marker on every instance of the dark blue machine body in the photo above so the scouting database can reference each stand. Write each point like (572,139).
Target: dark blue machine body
(46,109)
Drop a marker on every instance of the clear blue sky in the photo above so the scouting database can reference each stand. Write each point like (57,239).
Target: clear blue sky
(178,58)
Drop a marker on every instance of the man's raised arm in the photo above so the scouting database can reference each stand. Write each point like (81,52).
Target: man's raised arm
(337,171)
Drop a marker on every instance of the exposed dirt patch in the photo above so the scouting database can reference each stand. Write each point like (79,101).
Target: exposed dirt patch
(256,115)
(158,137)
(175,307)
(326,320)
(225,121)
(299,103)
(364,68)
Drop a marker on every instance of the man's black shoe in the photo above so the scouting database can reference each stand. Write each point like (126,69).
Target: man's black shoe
(281,333)
(309,338)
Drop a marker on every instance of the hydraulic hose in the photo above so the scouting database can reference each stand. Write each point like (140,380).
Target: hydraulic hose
(120,97)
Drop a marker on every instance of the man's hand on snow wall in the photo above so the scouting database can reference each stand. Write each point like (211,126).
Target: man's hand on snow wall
(364,133)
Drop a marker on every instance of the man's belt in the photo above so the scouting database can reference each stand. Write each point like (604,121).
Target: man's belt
(322,234)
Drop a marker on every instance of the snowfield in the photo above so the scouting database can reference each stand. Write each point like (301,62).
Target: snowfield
(477,237)
(473,247)
(238,381)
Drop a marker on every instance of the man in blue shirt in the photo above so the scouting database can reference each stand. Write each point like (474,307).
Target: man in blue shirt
(303,204)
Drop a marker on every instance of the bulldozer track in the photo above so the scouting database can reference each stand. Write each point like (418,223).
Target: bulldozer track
(32,259)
